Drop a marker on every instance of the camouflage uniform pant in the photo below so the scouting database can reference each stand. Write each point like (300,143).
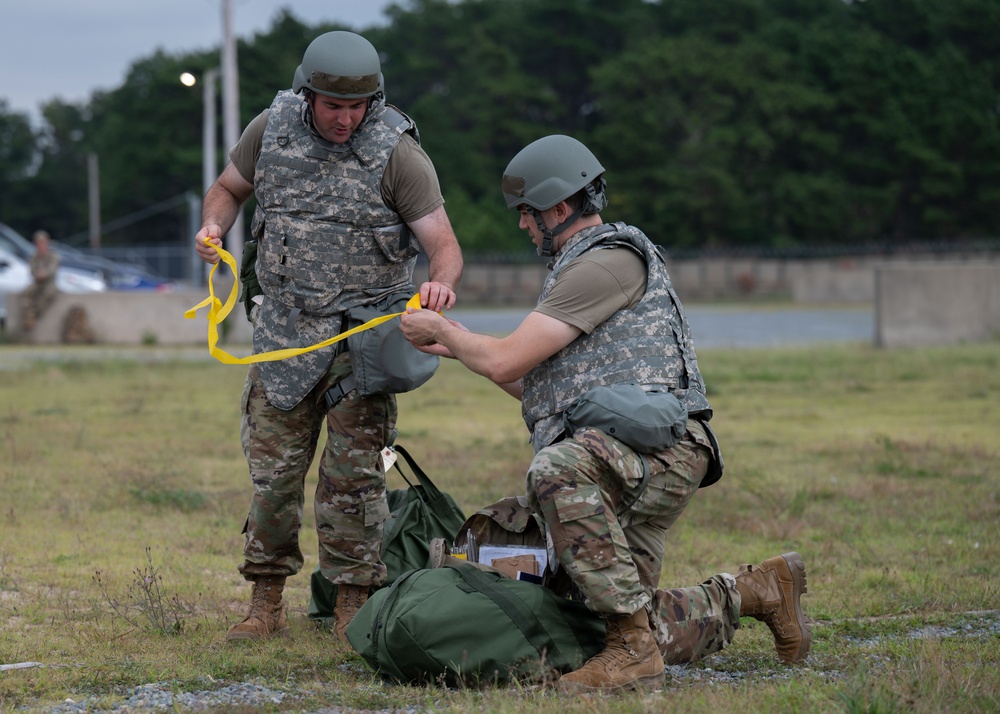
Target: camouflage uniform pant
(350,503)
(608,534)
(35,300)
(694,622)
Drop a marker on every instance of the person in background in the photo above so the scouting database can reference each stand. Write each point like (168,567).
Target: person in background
(346,199)
(608,315)
(39,296)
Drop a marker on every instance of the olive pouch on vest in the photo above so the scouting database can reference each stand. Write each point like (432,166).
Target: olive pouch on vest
(248,276)
(383,360)
(646,421)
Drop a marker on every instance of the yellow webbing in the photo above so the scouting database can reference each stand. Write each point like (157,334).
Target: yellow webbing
(217,312)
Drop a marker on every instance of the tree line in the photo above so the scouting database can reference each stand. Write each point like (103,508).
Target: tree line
(748,124)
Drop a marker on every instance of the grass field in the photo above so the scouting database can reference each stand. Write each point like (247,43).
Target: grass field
(124,491)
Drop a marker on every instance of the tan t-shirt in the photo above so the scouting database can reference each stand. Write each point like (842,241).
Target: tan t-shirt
(595,286)
(409,186)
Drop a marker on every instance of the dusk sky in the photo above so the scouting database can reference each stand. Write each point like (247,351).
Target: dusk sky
(67,49)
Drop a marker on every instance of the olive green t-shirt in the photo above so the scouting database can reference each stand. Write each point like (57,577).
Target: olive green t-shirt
(409,186)
(595,286)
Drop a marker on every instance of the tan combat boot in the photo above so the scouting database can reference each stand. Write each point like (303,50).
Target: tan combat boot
(770,593)
(630,659)
(350,598)
(266,617)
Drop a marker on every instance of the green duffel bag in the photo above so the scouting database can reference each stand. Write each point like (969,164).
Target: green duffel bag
(416,515)
(461,626)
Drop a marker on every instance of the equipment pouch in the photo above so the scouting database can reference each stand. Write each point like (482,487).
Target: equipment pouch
(383,360)
(647,421)
(248,276)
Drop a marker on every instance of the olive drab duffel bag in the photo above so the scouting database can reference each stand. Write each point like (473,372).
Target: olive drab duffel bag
(417,515)
(461,626)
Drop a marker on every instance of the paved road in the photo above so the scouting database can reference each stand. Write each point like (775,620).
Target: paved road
(728,326)
(711,327)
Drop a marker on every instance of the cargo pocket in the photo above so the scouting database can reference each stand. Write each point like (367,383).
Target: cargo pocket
(583,529)
(376,512)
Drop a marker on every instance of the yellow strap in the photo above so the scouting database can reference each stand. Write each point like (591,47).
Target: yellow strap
(217,312)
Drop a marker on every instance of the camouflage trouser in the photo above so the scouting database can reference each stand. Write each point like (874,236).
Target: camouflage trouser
(608,538)
(350,504)
(691,623)
(35,300)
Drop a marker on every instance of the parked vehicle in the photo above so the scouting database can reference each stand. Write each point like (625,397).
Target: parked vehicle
(115,276)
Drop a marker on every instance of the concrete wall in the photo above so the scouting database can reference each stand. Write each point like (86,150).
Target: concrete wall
(134,318)
(813,281)
(917,301)
(936,304)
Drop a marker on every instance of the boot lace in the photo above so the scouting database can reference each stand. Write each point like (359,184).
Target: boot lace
(618,650)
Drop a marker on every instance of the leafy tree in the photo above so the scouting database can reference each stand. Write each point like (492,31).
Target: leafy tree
(751,123)
(18,154)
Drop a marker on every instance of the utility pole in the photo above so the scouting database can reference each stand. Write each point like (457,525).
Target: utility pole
(209,169)
(94,199)
(231,112)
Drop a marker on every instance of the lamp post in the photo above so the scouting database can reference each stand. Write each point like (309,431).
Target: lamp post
(208,120)
(209,172)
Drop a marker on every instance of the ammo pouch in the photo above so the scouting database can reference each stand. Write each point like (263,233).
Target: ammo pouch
(383,360)
(646,421)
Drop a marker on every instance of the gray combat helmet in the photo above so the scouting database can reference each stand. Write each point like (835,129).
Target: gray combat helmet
(551,170)
(340,64)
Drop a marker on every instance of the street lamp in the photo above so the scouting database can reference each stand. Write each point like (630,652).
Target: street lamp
(208,132)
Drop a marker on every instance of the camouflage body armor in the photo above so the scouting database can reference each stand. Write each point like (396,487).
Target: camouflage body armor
(631,346)
(326,241)
(324,233)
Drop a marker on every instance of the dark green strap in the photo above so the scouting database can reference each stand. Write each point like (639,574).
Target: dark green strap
(433,492)
(520,614)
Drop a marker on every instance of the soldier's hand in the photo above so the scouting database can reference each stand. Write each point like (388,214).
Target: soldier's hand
(206,241)
(436,296)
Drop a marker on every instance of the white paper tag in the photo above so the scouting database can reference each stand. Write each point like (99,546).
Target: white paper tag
(388,458)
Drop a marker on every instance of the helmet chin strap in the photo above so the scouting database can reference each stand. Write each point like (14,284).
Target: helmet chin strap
(545,249)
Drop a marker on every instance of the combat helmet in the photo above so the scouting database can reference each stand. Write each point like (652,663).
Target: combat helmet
(340,64)
(551,170)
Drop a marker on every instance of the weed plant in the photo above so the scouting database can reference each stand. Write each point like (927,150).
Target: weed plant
(124,492)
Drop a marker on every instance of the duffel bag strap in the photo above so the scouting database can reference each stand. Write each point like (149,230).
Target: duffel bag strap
(433,492)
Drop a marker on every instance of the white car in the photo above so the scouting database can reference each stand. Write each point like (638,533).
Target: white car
(15,276)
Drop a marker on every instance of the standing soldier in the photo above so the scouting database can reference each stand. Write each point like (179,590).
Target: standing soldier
(346,199)
(608,317)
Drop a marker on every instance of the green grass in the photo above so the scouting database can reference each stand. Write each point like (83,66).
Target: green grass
(882,468)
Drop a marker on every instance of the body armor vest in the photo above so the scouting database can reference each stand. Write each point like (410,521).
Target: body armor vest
(324,233)
(649,345)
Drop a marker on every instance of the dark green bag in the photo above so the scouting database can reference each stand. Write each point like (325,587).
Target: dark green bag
(459,625)
(416,515)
